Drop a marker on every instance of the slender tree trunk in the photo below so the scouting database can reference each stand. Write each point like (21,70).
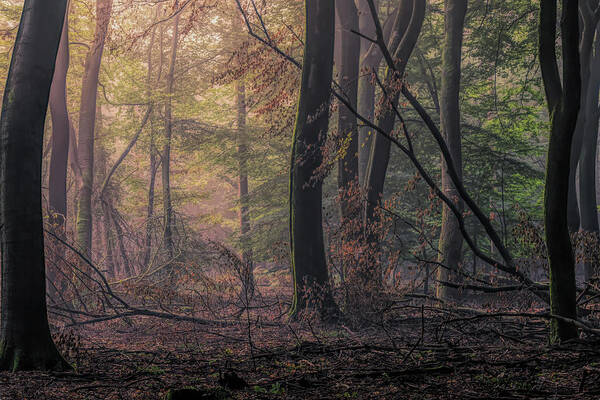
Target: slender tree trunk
(406,32)
(127,271)
(348,69)
(589,21)
(370,58)
(587,166)
(450,243)
(309,267)
(153,150)
(166,154)
(57,186)
(150,209)
(25,341)
(563,107)
(87,120)
(244,213)
(108,241)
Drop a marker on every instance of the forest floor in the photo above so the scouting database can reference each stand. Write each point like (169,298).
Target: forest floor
(423,355)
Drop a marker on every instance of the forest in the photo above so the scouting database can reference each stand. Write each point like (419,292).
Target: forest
(303,199)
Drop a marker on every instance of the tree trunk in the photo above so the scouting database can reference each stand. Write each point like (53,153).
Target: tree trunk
(588,30)
(25,341)
(153,149)
(348,69)
(244,213)
(57,186)
(108,241)
(587,167)
(406,32)
(166,154)
(150,209)
(366,88)
(563,107)
(450,243)
(87,120)
(309,267)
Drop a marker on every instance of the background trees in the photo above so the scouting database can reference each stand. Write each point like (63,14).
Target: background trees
(177,88)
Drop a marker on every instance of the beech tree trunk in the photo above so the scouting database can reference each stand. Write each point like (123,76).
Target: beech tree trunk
(244,213)
(25,341)
(407,27)
(587,165)
(57,185)
(87,121)
(153,150)
(589,20)
(563,107)
(309,267)
(166,154)
(450,243)
(348,70)
(369,60)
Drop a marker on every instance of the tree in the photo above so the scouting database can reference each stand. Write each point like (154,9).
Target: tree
(587,163)
(309,267)
(563,100)
(348,71)
(405,33)
(450,243)
(57,186)
(166,153)
(87,121)
(25,341)
(370,58)
(244,213)
(589,17)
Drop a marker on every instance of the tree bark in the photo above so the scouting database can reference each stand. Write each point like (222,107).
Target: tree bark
(244,213)
(587,166)
(57,185)
(348,69)
(406,32)
(366,88)
(166,154)
(589,19)
(563,107)
(25,341)
(153,150)
(450,243)
(309,267)
(87,121)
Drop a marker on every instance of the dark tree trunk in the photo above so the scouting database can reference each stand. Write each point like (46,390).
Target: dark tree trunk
(406,32)
(309,267)
(589,20)
(57,186)
(166,154)
(348,70)
(244,214)
(87,121)
(587,166)
(25,341)
(563,107)
(366,88)
(450,243)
